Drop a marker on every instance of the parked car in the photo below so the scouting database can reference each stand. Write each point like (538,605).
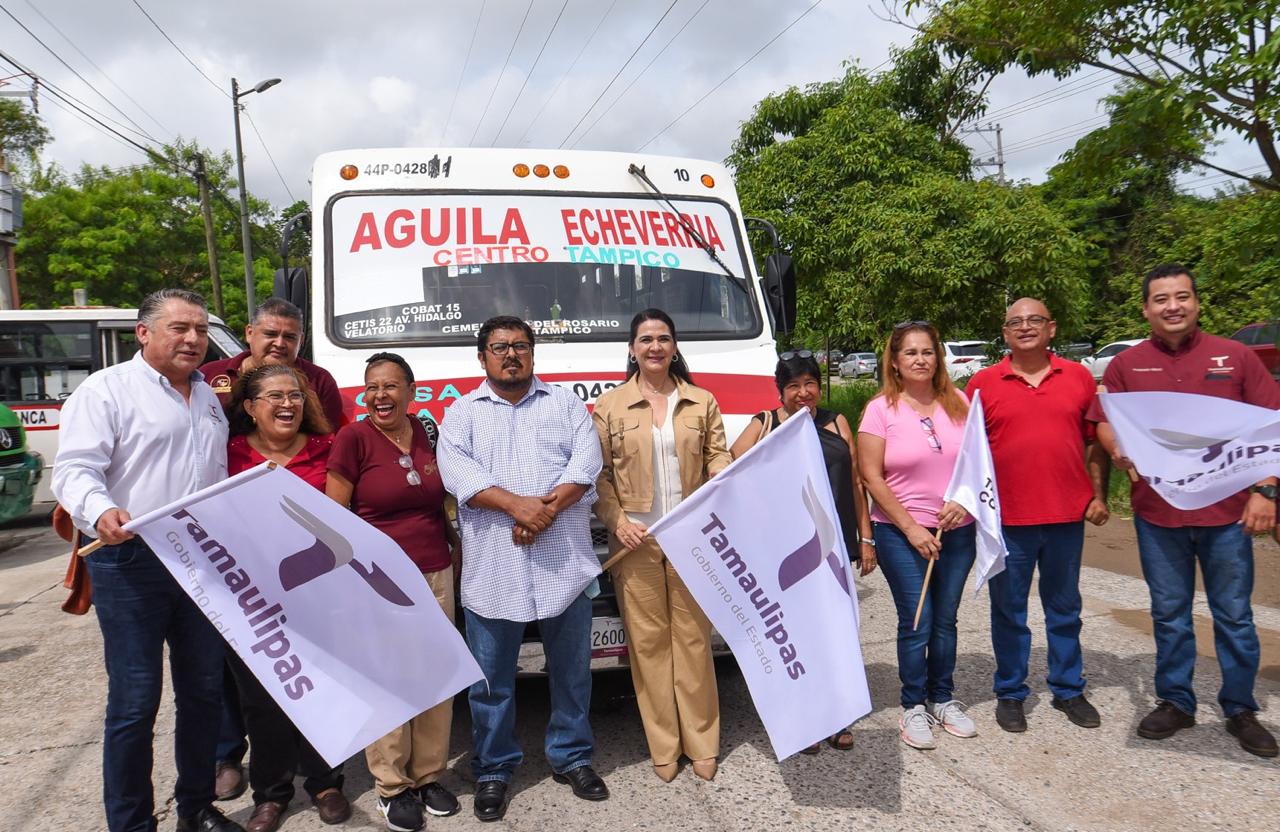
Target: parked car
(964,358)
(20,469)
(1097,363)
(1262,338)
(1076,352)
(859,364)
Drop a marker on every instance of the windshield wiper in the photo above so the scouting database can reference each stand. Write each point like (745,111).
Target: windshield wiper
(638,172)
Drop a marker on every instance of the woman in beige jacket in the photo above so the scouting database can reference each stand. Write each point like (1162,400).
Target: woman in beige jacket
(662,438)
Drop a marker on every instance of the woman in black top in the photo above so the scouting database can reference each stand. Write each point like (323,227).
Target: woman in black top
(797,377)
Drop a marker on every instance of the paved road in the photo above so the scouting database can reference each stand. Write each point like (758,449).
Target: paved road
(1055,777)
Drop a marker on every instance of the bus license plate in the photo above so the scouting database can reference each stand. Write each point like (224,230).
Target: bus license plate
(607,638)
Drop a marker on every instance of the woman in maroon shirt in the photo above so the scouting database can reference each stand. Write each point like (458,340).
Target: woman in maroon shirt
(275,416)
(384,468)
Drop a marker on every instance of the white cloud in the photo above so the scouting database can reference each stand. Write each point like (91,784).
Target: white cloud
(390,95)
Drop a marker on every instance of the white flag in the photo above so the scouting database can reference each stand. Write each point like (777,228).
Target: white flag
(329,613)
(760,548)
(973,485)
(1195,450)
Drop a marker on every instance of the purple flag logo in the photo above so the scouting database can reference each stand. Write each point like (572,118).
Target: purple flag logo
(330,551)
(819,548)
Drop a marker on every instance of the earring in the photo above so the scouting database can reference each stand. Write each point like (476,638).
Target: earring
(631,359)
(675,357)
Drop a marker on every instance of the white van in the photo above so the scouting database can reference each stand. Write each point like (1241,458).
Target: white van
(46,353)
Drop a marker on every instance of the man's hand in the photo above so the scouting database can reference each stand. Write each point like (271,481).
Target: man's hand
(110,526)
(1096,512)
(534,513)
(1259,515)
(522,535)
(564,495)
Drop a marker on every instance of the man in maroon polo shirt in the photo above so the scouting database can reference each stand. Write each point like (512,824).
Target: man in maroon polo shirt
(274,336)
(1035,404)
(1180,358)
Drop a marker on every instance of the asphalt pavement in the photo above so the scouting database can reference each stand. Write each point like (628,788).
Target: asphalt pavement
(1054,777)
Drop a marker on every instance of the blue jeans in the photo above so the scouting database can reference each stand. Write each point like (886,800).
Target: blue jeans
(1055,548)
(232,745)
(140,607)
(495,642)
(1169,560)
(927,655)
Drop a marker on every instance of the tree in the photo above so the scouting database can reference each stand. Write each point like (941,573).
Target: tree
(877,204)
(22,134)
(1208,64)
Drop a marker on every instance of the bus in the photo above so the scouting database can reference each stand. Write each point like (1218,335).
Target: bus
(46,353)
(413,249)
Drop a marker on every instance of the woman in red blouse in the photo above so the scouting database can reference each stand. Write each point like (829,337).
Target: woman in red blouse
(274,416)
(384,468)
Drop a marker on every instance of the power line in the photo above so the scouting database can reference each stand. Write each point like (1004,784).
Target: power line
(82,119)
(652,60)
(462,74)
(212,83)
(503,72)
(73,71)
(101,71)
(739,68)
(567,72)
(625,64)
(529,74)
(263,142)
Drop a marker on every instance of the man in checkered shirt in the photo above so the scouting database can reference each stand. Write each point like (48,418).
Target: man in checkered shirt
(522,458)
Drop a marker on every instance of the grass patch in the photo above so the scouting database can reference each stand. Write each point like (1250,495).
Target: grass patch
(850,398)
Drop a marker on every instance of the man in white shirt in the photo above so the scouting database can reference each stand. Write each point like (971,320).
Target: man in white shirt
(133,438)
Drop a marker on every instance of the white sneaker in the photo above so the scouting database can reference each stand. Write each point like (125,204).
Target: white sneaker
(951,716)
(916,728)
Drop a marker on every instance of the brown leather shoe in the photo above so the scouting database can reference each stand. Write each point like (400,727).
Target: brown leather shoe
(266,817)
(1253,738)
(229,782)
(1165,721)
(332,806)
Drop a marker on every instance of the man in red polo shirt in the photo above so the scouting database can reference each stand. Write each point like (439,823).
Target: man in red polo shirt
(1035,404)
(274,336)
(1180,358)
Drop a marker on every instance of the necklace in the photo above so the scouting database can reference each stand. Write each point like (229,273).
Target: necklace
(394,438)
(657,391)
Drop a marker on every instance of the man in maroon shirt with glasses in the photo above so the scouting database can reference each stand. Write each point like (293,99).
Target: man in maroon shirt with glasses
(1180,358)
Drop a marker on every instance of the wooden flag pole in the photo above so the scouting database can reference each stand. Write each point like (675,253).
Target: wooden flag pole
(924,588)
(91,548)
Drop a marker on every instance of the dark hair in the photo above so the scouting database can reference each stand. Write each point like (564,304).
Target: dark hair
(249,386)
(944,390)
(390,358)
(501,322)
(151,305)
(790,369)
(678,368)
(277,308)
(1167,270)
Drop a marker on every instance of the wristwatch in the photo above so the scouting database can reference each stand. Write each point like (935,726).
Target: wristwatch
(872,543)
(1268,491)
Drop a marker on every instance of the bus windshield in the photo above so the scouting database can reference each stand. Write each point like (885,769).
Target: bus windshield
(430,268)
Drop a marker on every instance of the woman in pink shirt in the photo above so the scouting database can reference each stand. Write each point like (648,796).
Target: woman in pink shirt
(907,444)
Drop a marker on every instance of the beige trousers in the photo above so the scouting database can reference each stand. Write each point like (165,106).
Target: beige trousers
(418,751)
(669,639)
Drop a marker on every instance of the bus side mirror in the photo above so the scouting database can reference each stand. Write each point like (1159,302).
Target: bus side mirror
(780,290)
(292,284)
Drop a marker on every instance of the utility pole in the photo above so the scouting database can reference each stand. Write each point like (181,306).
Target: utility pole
(996,161)
(249,300)
(206,211)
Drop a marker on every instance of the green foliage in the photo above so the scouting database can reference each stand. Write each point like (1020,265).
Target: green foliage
(22,135)
(850,398)
(884,220)
(123,233)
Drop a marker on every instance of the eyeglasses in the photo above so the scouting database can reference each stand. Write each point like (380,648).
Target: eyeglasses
(909,324)
(276,398)
(787,356)
(926,424)
(406,462)
(1033,321)
(520,347)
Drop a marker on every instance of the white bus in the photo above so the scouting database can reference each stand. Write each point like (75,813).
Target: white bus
(46,353)
(413,249)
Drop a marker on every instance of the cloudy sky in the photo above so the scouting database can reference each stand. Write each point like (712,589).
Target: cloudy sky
(590,74)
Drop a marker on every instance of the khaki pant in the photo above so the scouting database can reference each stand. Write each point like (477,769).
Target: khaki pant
(418,751)
(669,639)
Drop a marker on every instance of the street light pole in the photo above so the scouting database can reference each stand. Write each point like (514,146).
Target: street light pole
(236,95)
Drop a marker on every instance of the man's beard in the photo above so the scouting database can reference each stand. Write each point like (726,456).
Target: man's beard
(509,384)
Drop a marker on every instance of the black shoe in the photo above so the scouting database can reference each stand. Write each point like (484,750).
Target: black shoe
(1009,715)
(491,800)
(1079,711)
(1165,721)
(229,780)
(585,782)
(438,800)
(207,819)
(402,812)
(1253,738)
